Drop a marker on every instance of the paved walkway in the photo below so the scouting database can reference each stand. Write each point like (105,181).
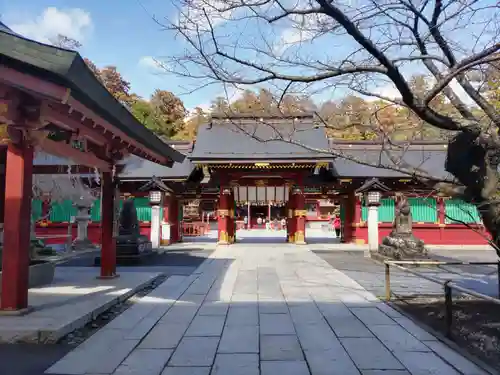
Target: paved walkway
(267,310)
(74,298)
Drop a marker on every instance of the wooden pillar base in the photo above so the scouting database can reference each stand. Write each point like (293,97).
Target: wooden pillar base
(19,312)
(108,277)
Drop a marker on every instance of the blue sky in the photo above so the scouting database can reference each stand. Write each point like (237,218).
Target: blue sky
(116,34)
(123,33)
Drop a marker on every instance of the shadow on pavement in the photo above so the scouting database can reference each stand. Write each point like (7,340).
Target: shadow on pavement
(29,359)
(191,257)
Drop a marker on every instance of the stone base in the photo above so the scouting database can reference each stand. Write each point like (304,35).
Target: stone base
(83,245)
(402,246)
(116,275)
(20,312)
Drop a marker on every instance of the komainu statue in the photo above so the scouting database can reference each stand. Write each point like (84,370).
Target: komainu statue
(130,243)
(401,243)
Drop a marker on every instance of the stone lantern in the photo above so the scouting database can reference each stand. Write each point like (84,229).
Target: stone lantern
(372,191)
(156,189)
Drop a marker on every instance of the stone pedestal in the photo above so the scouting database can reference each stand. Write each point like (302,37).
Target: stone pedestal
(373,227)
(155,226)
(402,246)
(82,219)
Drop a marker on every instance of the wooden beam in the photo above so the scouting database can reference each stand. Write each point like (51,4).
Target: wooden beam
(83,158)
(69,121)
(34,85)
(110,128)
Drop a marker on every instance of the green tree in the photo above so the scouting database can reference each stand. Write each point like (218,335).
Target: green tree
(168,111)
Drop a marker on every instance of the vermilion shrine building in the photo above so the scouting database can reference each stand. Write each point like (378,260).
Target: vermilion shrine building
(235,169)
(51,101)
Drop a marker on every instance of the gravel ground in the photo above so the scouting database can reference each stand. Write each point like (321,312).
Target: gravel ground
(475,328)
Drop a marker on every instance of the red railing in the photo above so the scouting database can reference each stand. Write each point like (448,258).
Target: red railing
(194,229)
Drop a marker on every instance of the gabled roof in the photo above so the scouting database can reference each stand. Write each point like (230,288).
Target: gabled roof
(246,139)
(425,156)
(68,69)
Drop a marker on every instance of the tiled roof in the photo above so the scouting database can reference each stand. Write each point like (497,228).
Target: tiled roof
(427,157)
(249,138)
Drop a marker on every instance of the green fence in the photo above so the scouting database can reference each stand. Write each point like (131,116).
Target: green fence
(62,212)
(385,211)
(458,211)
(423,210)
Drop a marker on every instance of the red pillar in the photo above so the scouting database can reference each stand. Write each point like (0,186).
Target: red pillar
(352,217)
(16,242)
(225,215)
(290,221)
(108,239)
(171,217)
(441,217)
(3,160)
(232,213)
(357,219)
(300,214)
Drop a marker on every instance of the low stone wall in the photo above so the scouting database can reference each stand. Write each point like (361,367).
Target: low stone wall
(40,273)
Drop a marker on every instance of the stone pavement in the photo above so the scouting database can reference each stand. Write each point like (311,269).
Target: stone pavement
(74,298)
(250,310)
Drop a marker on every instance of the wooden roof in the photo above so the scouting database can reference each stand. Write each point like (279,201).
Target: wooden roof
(68,81)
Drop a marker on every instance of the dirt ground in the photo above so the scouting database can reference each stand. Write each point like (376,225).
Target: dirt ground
(475,328)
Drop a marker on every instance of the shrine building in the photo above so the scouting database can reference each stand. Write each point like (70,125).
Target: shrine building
(256,168)
(51,103)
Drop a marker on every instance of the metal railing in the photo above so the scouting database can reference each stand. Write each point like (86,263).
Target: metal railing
(448,285)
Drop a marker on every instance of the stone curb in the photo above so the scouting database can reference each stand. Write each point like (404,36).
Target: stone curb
(45,336)
(53,336)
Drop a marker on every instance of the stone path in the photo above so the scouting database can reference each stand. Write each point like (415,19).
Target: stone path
(267,310)
(74,298)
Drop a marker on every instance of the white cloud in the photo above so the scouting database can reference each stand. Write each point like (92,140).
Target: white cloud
(150,62)
(73,23)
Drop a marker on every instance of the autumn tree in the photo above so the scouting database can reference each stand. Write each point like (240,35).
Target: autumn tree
(115,83)
(371,48)
(163,114)
(220,105)
(93,68)
(191,124)
(263,102)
